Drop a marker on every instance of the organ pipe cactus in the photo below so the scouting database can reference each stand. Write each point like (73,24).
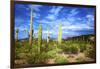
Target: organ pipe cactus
(40,36)
(31,28)
(17,31)
(60,34)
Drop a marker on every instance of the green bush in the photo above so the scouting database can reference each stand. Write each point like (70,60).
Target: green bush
(38,57)
(64,48)
(74,49)
(90,52)
(52,53)
(70,48)
(18,50)
(82,47)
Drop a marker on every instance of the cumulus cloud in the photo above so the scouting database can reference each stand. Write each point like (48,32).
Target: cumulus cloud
(77,27)
(54,12)
(73,12)
(72,19)
(90,17)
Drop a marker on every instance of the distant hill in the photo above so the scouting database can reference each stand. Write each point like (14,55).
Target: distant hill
(82,37)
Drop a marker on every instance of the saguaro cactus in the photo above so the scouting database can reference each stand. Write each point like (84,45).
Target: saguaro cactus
(17,31)
(40,36)
(60,34)
(31,28)
(48,35)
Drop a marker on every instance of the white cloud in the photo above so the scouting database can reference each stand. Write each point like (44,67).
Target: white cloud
(54,12)
(90,20)
(73,12)
(45,32)
(51,17)
(90,17)
(77,27)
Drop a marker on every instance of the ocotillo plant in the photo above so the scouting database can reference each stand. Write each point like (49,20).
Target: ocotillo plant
(17,31)
(31,28)
(60,34)
(48,35)
(39,37)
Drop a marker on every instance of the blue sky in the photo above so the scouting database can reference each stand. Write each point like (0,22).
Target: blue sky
(75,20)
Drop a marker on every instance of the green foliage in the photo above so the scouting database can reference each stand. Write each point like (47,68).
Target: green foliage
(36,57)
(21,50)
(90,51)
(70,48)
(61,59)
(51,54)
(17,50)
(74,49)
(82,47)
(43,52)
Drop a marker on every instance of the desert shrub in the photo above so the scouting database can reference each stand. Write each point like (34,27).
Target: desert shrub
(33,55)
(18,50)
(90,52)
(61,59)
(21,51)
(17,56)
(48,46)
(74,49)
(18,44)
(51,54)
(41,56)
(82,47)
(71,48)
(64,47)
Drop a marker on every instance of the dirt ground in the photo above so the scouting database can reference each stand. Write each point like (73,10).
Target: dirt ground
(80,57)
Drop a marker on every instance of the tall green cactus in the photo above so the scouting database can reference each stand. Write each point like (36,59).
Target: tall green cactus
(31,28)
(48,35)
(40,36)
(17,31)
(60,34)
